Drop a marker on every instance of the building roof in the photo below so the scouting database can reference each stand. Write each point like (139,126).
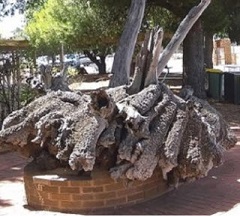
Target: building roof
(10,44)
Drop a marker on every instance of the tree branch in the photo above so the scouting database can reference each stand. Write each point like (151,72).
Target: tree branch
(124,53)
(181,33)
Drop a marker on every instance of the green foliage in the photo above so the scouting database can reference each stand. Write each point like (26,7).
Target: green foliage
(42,29)
(222,16)
(9,7)
(232,8)
(215,18)
(83,24)
(76,23)
(26,95)
(97,24)
(32,6)
(160,16)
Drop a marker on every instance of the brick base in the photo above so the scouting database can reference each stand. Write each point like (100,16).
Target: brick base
(59,191)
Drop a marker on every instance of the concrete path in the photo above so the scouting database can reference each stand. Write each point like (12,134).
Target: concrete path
(217,194)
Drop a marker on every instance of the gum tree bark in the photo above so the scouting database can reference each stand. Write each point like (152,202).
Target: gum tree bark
(147,60)
(183,29)
(47,81)
(124,53)
(149,68)
(208,50)
(194,72)
(199,88)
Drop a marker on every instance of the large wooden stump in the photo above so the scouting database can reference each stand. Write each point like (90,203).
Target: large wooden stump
(129,135)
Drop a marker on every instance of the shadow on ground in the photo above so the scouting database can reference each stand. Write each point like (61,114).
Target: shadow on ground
(11,166)
(4,203)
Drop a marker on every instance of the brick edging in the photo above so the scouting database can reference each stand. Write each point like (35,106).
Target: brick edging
(67,193)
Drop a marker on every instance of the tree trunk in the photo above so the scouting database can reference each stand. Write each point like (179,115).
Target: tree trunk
(62,56)
(183,29)
(124,53)
(48,80)
(53,59)
(193,60)
(101,64)
(149,67)
(208,50)
(147,61)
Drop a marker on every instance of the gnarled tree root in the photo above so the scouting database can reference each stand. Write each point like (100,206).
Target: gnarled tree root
(131,135)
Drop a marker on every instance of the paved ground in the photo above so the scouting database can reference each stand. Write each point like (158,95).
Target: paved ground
(218,194)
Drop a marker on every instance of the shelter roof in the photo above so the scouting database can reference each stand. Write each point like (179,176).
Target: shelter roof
(10,44)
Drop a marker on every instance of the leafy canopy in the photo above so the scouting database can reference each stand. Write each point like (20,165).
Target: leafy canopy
(76,23)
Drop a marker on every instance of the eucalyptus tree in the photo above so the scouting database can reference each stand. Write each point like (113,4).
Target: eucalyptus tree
(215,19)
(93,26)
(221,16)
(80,25)
(232,30)
(96,26)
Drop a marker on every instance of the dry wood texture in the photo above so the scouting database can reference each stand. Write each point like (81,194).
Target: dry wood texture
(131,135)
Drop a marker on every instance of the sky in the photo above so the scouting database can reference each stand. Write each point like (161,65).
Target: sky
(9,24)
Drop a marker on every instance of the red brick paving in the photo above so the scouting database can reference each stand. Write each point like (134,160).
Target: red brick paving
(216,194)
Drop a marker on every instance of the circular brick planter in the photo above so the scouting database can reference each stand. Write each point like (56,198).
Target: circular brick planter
(56,191)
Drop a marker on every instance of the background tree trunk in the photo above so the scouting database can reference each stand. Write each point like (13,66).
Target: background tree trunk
(193,60)
(183,29)
(208,50)
(147,61)
(62,58)
(101,64)
(124,53)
